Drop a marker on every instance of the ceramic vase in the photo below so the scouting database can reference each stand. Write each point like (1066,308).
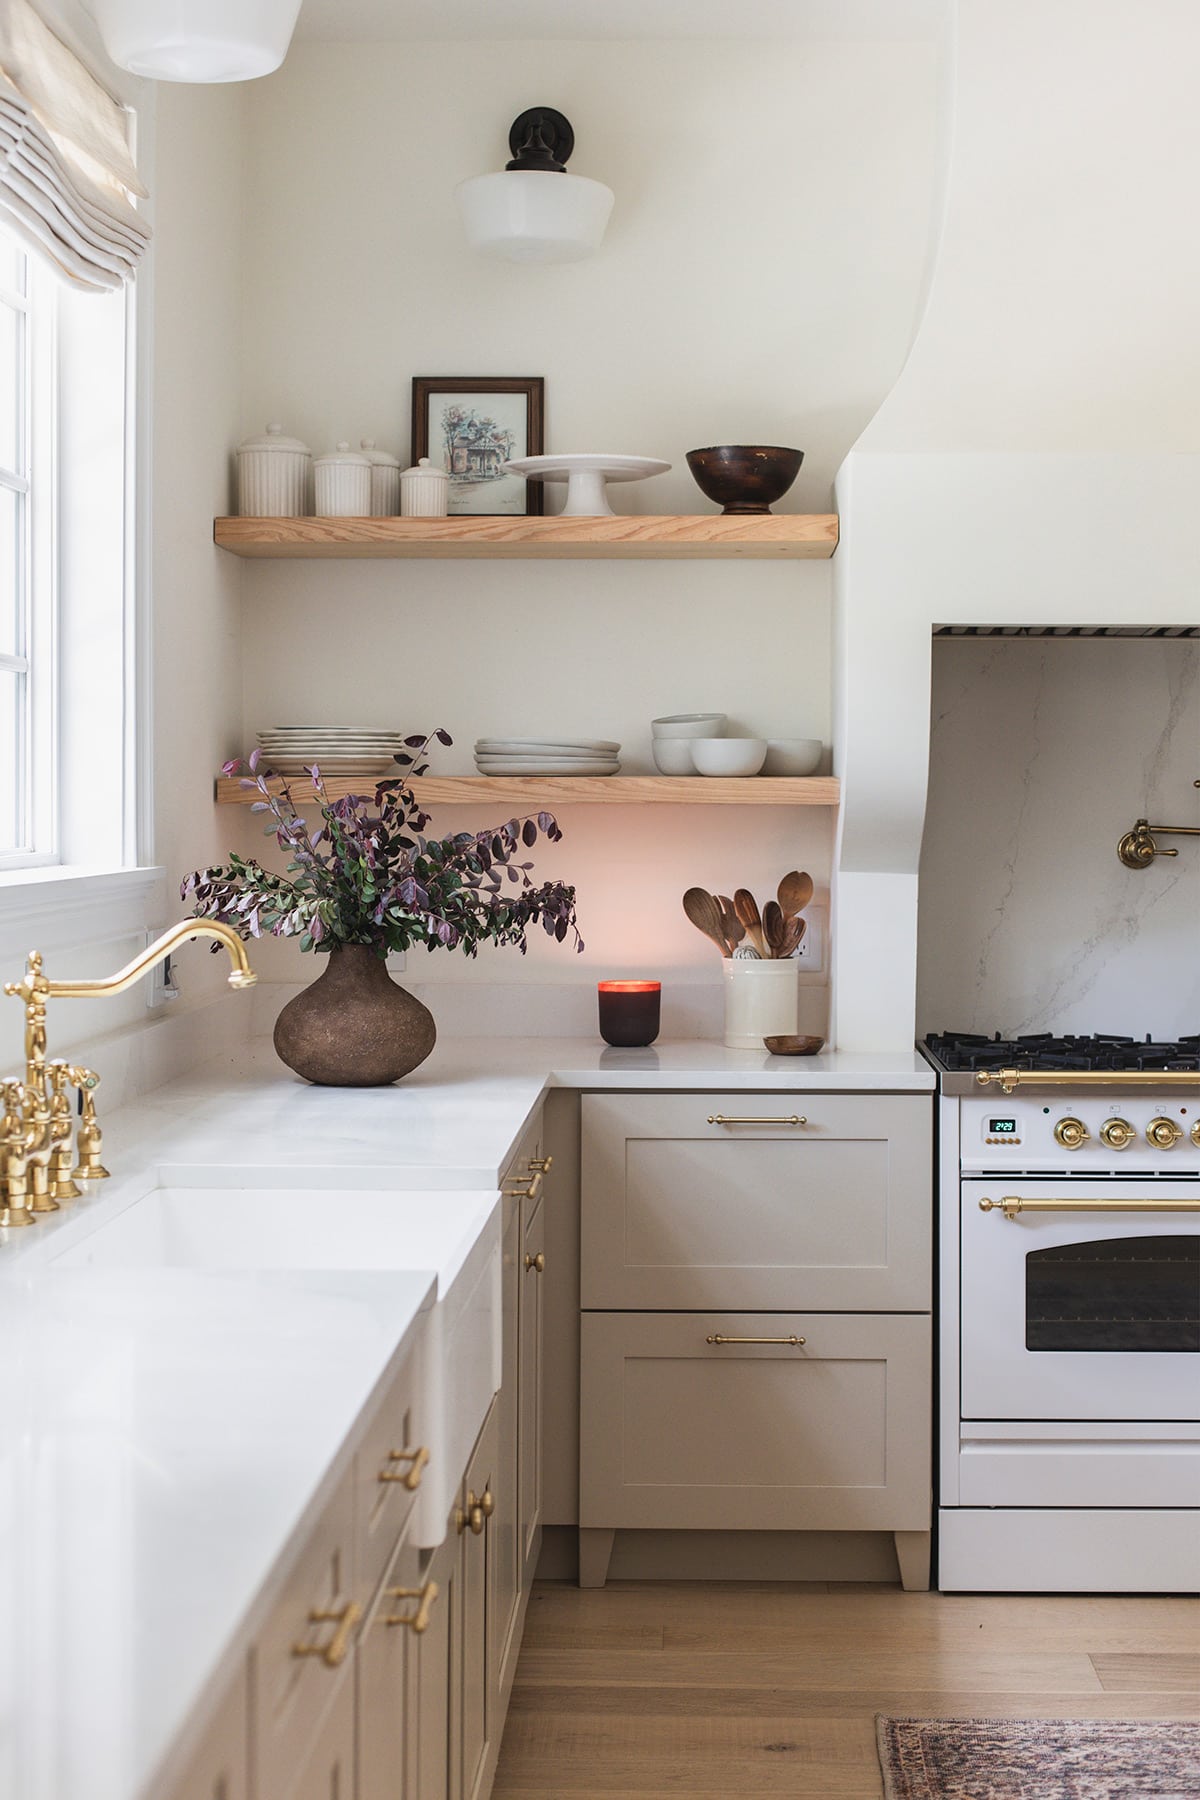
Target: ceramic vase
(354,1027)
(762,999)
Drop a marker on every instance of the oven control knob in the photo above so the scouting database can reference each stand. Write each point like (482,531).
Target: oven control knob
(1164,1134)
(1118,1134)
(1072,1134)
(1196,1133)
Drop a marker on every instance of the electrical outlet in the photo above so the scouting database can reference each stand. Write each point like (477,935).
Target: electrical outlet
(811,953)
(161,985)
(396,962)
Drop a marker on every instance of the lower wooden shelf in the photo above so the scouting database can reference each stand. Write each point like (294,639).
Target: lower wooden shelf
(571,790)
(748,535)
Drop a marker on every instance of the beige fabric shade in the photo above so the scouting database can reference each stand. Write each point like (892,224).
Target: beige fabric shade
(67,178)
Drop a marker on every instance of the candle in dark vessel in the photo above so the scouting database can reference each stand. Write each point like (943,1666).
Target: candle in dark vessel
(629,1012)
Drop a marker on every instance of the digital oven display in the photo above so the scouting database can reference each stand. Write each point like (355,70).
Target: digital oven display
(1002,1128)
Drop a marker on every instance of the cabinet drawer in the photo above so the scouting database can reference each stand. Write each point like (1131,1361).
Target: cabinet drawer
(681,1210)
(392,1455)
(831,1434)
(294,1679)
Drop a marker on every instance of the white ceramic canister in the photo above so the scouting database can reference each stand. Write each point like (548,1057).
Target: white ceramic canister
(272,476)
(343,484)
(762,999)
(385,480)
(424,491)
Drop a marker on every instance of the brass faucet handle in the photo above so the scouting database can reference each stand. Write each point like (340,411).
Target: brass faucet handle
(14,1158)
(62,1183)
(89,1138)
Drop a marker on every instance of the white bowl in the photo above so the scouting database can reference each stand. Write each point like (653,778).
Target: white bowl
(793,756)
(688,725)
(673,756)
(728,756)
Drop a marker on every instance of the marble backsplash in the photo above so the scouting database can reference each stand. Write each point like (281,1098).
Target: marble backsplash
(1043,752)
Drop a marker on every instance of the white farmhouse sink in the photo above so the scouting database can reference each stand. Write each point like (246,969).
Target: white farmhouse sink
(454,1236)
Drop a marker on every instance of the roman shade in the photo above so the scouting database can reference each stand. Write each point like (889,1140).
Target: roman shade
(67,178)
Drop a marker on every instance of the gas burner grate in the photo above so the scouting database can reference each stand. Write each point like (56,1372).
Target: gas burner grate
(964,1050)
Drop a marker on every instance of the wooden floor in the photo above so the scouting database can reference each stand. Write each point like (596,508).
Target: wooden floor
(704,1690)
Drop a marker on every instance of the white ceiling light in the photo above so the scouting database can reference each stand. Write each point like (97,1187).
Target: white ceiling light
(197,40)
(532,210)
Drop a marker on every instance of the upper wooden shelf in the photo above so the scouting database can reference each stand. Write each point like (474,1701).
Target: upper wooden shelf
(565,790)
(770,535)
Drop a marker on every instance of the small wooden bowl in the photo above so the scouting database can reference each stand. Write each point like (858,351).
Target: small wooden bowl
(794,1046)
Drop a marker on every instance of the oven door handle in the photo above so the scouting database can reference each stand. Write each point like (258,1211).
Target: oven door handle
(1013,1204)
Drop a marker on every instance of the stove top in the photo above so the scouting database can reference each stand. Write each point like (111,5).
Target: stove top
(956,1051)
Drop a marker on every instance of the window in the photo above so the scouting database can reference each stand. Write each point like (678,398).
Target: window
(65,609)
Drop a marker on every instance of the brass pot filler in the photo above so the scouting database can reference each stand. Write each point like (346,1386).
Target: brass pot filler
(1138,848)
(39,1168)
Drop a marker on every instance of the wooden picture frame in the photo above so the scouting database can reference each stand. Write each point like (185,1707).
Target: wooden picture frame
(469,425)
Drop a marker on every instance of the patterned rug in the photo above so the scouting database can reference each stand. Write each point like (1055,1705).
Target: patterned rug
(1038,1759)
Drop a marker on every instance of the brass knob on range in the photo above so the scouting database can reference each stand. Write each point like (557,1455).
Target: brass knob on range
(1118,1134)
(1196,1132)
(1072,1134)
(1164,1134)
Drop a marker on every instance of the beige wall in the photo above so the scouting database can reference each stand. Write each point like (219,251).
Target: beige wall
(759,281)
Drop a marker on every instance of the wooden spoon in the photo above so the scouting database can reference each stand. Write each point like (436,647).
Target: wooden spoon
(793,931)
(731,925)
(746,908)
(705,915)
(795,892)
(775,927)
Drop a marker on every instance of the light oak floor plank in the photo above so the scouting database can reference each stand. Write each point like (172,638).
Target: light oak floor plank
(654,1692)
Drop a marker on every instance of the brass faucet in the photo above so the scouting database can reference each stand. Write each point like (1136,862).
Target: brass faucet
(36,1158)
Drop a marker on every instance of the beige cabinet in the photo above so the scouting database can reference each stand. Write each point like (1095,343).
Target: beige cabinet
(437,1681)
(755,1280)
(219,1768)
(387,1662)
(756,1201)
(480,1707)
(327,1771)
(534,1274)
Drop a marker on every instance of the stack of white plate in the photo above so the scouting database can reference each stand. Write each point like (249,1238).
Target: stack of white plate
(547,756)
(339,749)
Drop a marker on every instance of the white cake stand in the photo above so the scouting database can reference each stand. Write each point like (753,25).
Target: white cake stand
(585,477)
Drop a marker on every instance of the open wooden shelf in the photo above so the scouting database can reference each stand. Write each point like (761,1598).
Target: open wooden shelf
(768,535)
(533,791)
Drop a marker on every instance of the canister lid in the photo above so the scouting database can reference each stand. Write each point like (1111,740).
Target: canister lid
(378,459)
(273,439)
(343,457)
(423,466)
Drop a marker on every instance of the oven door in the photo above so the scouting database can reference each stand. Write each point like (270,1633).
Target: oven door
(1070,1311)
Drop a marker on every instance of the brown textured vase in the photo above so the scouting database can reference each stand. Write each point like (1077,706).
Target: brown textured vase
(354,1027)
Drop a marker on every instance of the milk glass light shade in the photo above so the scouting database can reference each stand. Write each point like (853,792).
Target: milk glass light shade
(197,40)
(532,210)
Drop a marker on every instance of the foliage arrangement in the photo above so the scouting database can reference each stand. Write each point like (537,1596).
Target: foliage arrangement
(368,875)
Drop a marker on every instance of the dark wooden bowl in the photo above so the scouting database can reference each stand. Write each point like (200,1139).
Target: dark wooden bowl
(793,1046)
(745,478)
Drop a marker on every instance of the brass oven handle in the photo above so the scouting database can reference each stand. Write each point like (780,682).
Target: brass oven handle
(333,1654)
(1012,1204)
(792,1119)
(411,1478)
(717,1338)
(416,1621)
(1009,1079)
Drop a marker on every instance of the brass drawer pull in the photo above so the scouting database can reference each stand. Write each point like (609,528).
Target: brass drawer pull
(416,1621)
(544,1163)
(1013,1204)
(792,1119)
(333,1654)
(527,1193)
(411,1478)
(536,1263)
(717,1338)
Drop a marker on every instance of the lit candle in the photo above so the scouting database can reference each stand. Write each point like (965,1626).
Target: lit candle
(629,1011)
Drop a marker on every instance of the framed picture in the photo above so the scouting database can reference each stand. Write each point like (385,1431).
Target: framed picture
(470,425)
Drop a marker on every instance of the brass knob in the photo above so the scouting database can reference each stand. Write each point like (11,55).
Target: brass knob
(476,1514)
(536,1263)
(1196,1132)
(1118,1134)
(1164,1134)
(1072,1134)
(487,1503)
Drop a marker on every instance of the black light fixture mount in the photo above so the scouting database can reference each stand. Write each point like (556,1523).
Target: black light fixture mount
(541,139)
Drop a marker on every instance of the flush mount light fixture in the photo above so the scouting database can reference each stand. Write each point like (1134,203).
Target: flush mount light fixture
(197,40)
(532,210)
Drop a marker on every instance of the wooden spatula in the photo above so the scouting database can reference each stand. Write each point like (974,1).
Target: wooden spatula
(746,908)
(795,892)
(705,914)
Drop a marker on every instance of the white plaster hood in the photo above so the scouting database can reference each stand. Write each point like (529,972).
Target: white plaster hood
(1038,460)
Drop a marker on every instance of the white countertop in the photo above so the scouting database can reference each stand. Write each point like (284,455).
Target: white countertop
(165,1434)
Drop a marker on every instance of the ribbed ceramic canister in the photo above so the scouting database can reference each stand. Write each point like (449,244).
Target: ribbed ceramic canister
(762,999)
(343,484)
(424,491)
(385,480)
(272,472)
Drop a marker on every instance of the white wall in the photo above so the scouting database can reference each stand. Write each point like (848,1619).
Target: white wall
(759,282)
(1044,751)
